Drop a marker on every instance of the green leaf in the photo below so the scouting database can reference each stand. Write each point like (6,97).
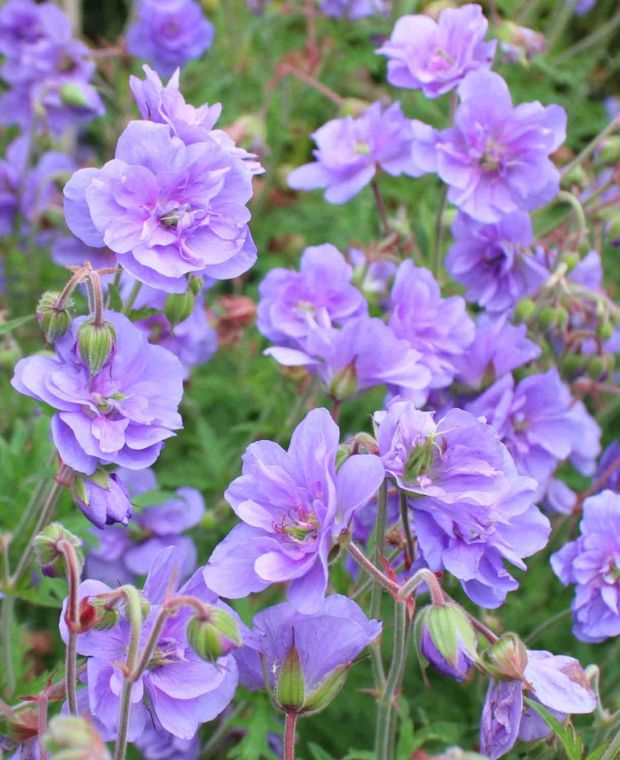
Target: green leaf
(318,753)
(255,743)
(144,313)
(152,498)
(597,753)
(116,302)
(571,743)
(13,324)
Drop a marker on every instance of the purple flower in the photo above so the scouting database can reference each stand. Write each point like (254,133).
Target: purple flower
(293,504)
(124,553)
(350,150)
(439,329)
(69,251)
(353,9)
(168,34)
(558,682)
(495,262)
(608,471)
(372,275)
(12,169)
(102,498)
(592,563)
(122,414)
(495,159)
(157,744)
(327,642)
(540,424)
(434,56)
(471,509)
(293,303)
(181,689)
(165,208)
(360,355)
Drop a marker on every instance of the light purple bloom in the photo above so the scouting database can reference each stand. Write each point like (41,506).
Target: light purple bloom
(350,150)
(293,504)
(608,471)
(495,262)
(592,563)
(362,354)
(434,56)
(495,160)
(181,689)
(372,275)
(124,553)
(293,303)
(103,499)
(558,682)
(122,414)
(328,640)
(438,328)
(165,208)
(353,9)
(168,34)
(68,251)
(157,744)
(471,509)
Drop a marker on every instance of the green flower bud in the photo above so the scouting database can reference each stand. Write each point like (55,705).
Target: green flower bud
(353,107)
(612,230)
(105,617)
(95,344)
(195,284)
(576,176)
(71,94)
(326,691)
(343,452)
(524,310)
(547,317)
(605,330)
(344,383)
(571,259)
(46,549)
(53,319)
(290,690)
(562,318)
(609,151)
(214,637)
(179,306)
(572,364)
(507,658)
(596,367)
(70,737)
(446,638)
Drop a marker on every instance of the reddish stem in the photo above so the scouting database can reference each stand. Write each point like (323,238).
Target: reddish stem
(290,724)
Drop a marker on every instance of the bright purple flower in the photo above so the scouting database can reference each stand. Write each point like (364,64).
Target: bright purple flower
(181,689)
(608,471)
(353,9)
(540,424)
(558,682)
(362,354)
(327,641)
(371,275)
(498,348)
(124,553)
(157,744)
(293,303)
(592,563)
(471,509)
(166,209)
(12,170)
(69,251)
(434,56)
(350,150)
(122,414)
(495,262)
(438,328)
(103,498)
(495,159)
(168,34)
(559,498)
(25,26)
(293,504)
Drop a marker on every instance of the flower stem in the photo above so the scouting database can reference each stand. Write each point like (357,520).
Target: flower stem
(548,623)
(613,750)
(375,597)
(132,297)
(363,561)
(404,516)
(592,39)
(591,146)
(6,630)
(439,232)
(423,576)
(72,617)
(376,191)
(290,724)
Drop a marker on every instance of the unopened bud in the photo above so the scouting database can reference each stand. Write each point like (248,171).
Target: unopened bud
(576,176)
(71,94)
(609,151)
(547,317)
(446,638)
(47,553)
(95,343)
(605,330)
(326,691)
(612,229)
(562,317)
(214,637)
(571,259)
(195,283)
(105,616)
(524,310)
(70,737)
(507,657)
(572,364)
(179,307)
(291,688)
(53,317)
(353,107)
(596,367)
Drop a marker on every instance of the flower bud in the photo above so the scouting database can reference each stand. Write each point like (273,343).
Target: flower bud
(320,697)
(609,151)
(524,310)
(596,367)
(102,615)
(446,638)
(214,637)
(102,497)
(23,723)
(353,107)
(179,307)
(344,383)
(562,318)
(95,343)
(48,556)
(70,737)
(196,284)
(507,657)
(290,689)
(572,364)
(576,176)
(547,317)
(612,229)
(53,318)
(605,330)
(71,94)
(571,259)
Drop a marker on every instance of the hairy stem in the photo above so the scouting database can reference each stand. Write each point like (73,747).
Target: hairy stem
(591,146)
(376,191)
(72,617)
(404,516)
(290,724)
(439,232)
(375,597)
(363,561)
(127,307)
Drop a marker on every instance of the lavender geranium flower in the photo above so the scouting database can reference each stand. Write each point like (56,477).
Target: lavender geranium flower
(558,682)
(353,9)
(495,160)
(326,644)
(439,329)
(182,690)
(608,470)
(168,34)
(157,744)
(495,262)
(360,355)
(293,303)
(166,209)
(124,553)
(122,414)
(471,509)
(103,498)
(592,564)
(434,56)
(539,423)
(350,150)
(293,504)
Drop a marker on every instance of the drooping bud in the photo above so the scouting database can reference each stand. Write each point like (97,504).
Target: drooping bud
(446,638)
(71,94)
(105,615)
(524,310)
(507,658)
(179,306)
(214,637)
(47,553)
(53,317)
(320,697)
(290,692)
(70,737)
(95,343)
(102,497)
